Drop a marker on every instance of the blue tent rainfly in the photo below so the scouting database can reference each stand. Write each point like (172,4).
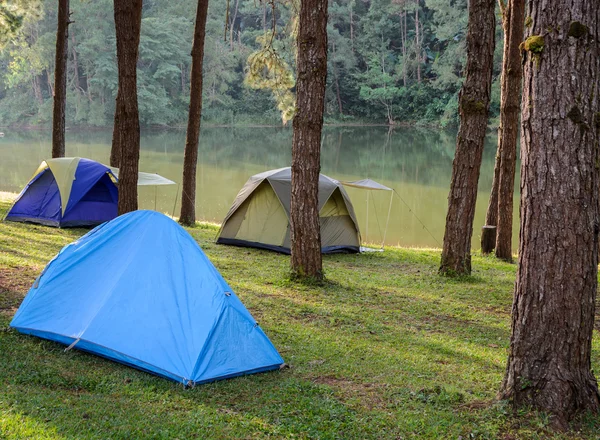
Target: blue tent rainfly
(72,191)
(140,291)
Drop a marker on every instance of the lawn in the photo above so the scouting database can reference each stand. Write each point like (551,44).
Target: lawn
(385,349)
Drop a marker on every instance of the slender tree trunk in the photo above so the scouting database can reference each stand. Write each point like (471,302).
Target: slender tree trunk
(126,132)
(190,158)
(351,28)
(305,231)
(60,80)
(49,84)
(474,102)
(417,43)
(488,233)
(37,89)
(510,101)
(403,41)
(549,365)
(75,62)
(232,24)
(337,83)
(88,87)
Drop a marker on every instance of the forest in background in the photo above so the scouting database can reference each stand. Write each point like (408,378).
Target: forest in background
(390,61)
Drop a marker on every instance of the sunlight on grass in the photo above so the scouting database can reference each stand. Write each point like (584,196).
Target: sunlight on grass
(385,348)
(19,426)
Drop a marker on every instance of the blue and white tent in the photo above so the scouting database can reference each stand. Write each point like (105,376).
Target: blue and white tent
(140,291)
(73,191)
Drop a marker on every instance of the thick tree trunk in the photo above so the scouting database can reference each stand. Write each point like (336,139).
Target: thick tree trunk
(190,158)
(126,132)
(115,151)
(510,99)
(488,232)
(60,80)
(305,231)
(474,102)
(549,365)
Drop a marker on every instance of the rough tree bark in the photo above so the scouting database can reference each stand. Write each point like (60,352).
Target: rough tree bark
(126,133)
(474,102)
(549,365)
(60,80)
(305,231)
(190,158)
(513,22)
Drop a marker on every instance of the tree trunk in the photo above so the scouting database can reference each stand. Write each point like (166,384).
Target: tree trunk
(232,24)
(351,28)
(60,80)
(37,89)
(549,365)
(417,43)
(474,102)
(510,100)
(488,232)
(77,78)
(337,84)
(126,132)
(305,231)
(190,158)
(404,43)
(115,151)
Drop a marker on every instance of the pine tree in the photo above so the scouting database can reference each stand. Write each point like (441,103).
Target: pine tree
(474,101)
(126,133)
(60,80)
(549,364)
(190,158)
(311,61)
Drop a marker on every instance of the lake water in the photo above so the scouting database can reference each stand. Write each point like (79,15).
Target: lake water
(417,163)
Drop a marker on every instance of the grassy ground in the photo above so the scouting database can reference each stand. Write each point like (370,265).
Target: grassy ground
(385,349)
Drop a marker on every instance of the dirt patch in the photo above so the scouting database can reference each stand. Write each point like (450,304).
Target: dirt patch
(14,284)
(368,395)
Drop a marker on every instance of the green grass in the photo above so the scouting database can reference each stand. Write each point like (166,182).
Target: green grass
(385,348)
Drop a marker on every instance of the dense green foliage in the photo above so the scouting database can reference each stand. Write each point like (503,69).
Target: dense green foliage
(389,61)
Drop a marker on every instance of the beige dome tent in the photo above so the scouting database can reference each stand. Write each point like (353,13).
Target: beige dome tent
(259,216)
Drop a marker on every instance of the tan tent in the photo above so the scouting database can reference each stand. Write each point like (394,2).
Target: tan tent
(259,216)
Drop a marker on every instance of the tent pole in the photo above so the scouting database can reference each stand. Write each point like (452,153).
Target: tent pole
(387,222)
(175,202)
(367,225)
(155,197)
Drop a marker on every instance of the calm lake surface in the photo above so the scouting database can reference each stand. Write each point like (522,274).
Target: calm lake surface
(417,163)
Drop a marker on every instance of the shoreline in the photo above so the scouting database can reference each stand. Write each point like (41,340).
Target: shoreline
(155,128)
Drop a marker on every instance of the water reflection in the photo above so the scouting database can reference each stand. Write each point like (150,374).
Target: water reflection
(417,163)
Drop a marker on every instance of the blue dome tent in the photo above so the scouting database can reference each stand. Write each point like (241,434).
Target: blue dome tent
(140,291)
(71,192)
